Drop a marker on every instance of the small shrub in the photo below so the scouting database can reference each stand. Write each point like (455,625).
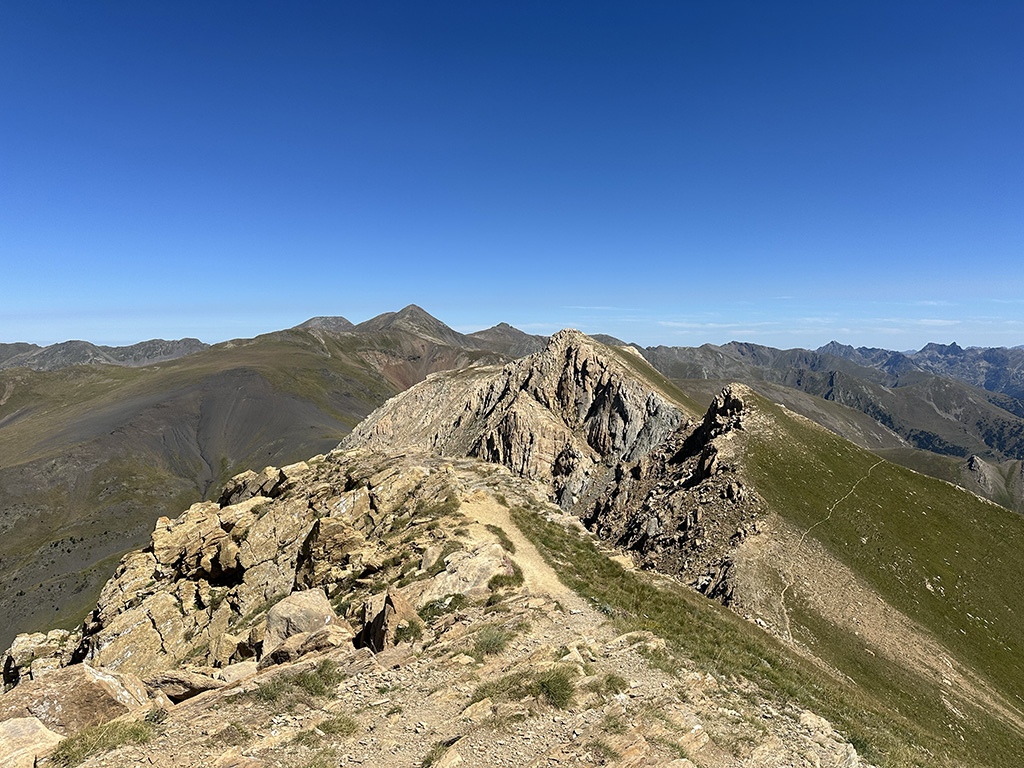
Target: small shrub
(156,715)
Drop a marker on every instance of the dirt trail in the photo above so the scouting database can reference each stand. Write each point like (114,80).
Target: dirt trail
(540,577)
(788,635)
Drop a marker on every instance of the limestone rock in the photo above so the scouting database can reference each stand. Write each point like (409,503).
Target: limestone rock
(300,612)
(380,632)
(250,484)
(232,673)
(32,655)
(23,739)
(74,698)
(553,416)
(179,684)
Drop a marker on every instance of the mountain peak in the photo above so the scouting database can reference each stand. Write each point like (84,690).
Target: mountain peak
(334,323)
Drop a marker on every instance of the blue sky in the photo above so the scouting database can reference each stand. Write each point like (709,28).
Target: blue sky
(677,173)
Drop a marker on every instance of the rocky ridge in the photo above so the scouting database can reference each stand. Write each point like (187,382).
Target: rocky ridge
(618,453)
(562,415)
(356,608)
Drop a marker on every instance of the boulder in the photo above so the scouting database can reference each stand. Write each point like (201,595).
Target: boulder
(379,633)
(250,484)
(297,646)
(74,698)
(466,573)
(23,739)
(33,655)
(179,685)
(298,613)
(232,673)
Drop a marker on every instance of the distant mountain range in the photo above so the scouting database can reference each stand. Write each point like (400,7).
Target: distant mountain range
(68,353)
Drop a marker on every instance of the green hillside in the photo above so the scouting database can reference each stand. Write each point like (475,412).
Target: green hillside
(937,553)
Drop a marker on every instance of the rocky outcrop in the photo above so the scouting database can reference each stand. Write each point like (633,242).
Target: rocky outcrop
(72,699)
(179,684)
(382,629)
(301,613)
(33,655)
(556,415)
(684,507)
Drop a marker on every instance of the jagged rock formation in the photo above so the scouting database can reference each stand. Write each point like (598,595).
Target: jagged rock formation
(556,415)
(684,506)
(615,450)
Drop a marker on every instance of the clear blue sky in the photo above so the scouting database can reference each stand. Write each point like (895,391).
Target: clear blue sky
(677,172)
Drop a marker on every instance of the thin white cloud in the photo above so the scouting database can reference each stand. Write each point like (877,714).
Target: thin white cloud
(936,322)
(712,326)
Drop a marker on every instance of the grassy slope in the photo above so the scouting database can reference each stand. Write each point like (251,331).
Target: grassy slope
(917,529)
(716,640)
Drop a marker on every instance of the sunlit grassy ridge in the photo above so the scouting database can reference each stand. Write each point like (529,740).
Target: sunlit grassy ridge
(716,640)
(902,532)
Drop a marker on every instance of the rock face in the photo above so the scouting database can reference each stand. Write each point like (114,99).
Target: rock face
(74,698)
(556,415)
(614,450)
(31,656)
(684,506)
(23,739)
(300,613)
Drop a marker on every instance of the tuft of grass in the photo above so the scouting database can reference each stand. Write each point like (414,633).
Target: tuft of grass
(234,734)
(612,723)
(325,758)
(510,687)
(286,690)
(444,605)
(503,580)
(490,640)
(340,725)
(436,752)
(98,739)
(503,538)
(320,681)
(556,686)
(608,685)
(409,633)
(674,747)
(604,751)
